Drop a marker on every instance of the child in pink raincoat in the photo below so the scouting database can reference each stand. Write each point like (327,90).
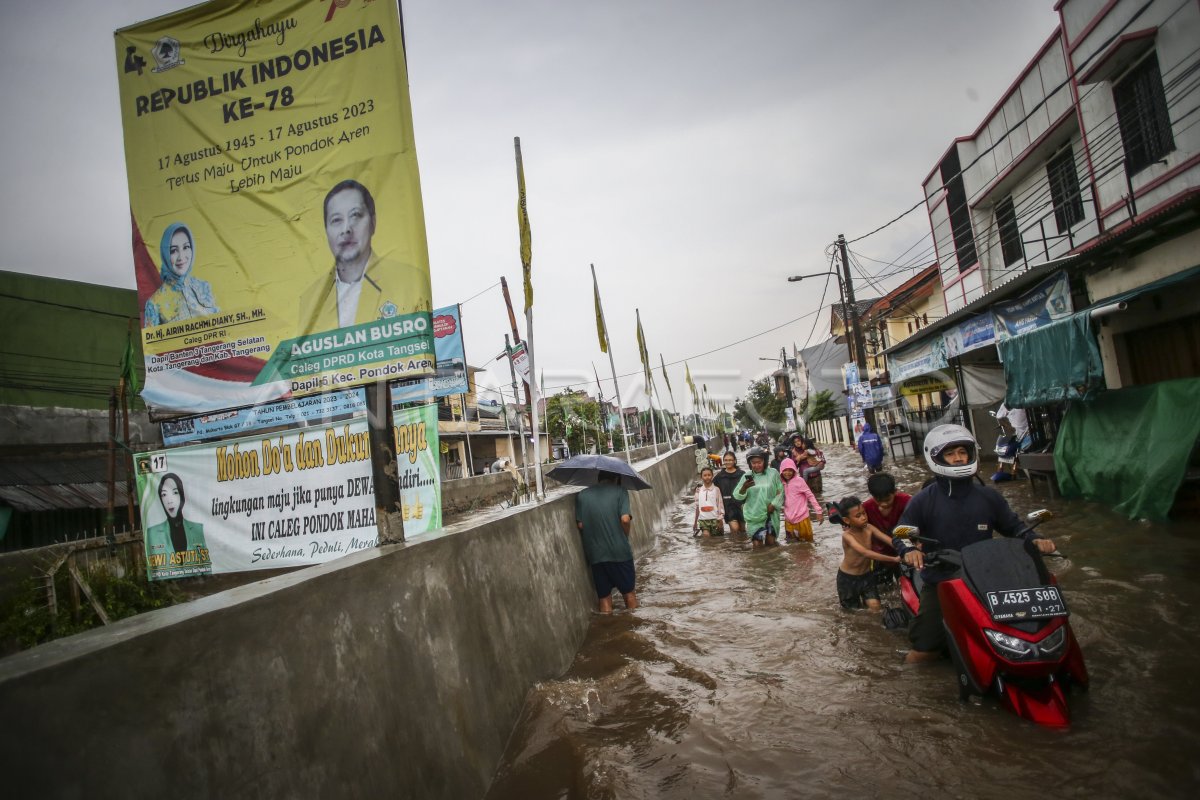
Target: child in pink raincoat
(797,500)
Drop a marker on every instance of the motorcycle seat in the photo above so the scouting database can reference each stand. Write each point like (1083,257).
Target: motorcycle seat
(1001,563)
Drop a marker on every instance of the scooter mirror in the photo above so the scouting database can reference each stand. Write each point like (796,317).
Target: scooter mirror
(1039,515)
(905,531)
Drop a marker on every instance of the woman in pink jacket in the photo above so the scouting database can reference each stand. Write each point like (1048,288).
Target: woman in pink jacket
(797,500)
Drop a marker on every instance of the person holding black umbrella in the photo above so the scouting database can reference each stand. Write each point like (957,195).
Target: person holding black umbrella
(604,519)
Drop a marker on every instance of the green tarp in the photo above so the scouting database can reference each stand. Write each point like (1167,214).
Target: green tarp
(63,341)
(1058,362)
(1130,447)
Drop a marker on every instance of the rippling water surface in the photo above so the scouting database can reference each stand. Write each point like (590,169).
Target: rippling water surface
(741,677)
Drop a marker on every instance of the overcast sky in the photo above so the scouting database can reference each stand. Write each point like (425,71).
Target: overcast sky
(697,152)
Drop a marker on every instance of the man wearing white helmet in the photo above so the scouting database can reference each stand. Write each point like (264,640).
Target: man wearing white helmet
(956,511)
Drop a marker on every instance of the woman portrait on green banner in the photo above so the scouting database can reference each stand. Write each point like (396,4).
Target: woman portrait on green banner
(182,295)
(177,545)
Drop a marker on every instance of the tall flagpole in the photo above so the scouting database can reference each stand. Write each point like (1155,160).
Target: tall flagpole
(601,419)
(671,392)
(612,366)
(662,414)
(527,268)
(645,356)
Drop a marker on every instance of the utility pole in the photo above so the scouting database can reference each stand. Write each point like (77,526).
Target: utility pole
(789,394)
(389,517)
(860,355)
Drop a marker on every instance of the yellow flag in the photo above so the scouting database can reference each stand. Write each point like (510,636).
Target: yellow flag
(600,330)
(523,222)
(645,356)
(664,372)
(687,376)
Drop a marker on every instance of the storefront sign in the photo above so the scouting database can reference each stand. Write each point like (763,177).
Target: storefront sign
(1050,300)
(926,384)
(928,356)
(969,335)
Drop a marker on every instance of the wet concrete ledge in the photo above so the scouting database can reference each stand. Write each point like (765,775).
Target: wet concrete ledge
(396,672)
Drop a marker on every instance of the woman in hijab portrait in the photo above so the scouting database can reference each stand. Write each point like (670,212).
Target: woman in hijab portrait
(181,296)
(176,535)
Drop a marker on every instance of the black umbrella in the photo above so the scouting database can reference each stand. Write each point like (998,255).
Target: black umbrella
(585,471)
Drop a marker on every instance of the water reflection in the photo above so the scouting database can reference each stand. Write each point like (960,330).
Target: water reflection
(741,677)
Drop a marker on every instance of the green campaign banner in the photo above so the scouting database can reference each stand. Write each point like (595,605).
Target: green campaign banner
(418,467)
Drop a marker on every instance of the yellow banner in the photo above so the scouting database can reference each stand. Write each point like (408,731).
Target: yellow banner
(279,236)
(926,384)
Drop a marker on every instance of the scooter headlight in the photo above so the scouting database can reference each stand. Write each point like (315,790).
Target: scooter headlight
(1011,647)
(1052,645)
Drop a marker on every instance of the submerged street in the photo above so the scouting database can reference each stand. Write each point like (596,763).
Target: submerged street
(740,676)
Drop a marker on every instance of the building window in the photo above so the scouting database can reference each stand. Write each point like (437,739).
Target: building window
(1010,235)
(1064,190)
(1142,115)
(960,213)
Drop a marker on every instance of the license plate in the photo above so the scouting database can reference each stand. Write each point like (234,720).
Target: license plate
(1040,602)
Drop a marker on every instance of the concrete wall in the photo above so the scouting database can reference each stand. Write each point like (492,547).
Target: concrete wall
(479,490)
(395,672)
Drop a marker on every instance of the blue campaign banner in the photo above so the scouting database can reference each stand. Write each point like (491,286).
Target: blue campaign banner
(1050,300)
(969,335)
(317,408)
(451,375)
(920,359)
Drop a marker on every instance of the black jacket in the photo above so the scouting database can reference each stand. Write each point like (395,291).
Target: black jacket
(958,512)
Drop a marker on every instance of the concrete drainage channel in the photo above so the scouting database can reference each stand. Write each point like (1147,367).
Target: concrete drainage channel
(396,672)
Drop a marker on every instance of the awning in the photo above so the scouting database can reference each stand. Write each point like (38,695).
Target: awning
(1057,362)
(1061,361)
(983,384)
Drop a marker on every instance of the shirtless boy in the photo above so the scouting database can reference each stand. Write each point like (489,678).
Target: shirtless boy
(855,581)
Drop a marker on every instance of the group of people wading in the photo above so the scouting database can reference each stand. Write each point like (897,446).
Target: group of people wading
(772,496)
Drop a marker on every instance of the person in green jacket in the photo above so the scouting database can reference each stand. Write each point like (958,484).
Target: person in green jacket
(175,548)
(760,492)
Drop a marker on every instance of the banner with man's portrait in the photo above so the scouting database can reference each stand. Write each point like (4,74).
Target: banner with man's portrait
(278,231)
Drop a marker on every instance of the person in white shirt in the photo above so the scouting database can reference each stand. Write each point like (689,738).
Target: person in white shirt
(710,507)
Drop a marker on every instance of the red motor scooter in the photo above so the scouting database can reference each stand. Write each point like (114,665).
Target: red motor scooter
(1007,624)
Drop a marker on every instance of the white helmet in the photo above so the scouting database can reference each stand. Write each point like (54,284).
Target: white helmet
(944,436)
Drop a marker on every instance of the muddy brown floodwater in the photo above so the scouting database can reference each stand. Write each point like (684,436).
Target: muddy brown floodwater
(741,677)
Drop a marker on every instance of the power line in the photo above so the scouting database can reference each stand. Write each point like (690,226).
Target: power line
(708,352)
(1065,82)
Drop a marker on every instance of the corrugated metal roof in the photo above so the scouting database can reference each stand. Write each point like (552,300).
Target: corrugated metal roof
(45,483)
(55,496)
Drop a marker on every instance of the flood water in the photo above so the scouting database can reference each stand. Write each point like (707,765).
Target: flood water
(740,676)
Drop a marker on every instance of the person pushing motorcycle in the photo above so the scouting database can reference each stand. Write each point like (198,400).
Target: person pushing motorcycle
(956,511)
